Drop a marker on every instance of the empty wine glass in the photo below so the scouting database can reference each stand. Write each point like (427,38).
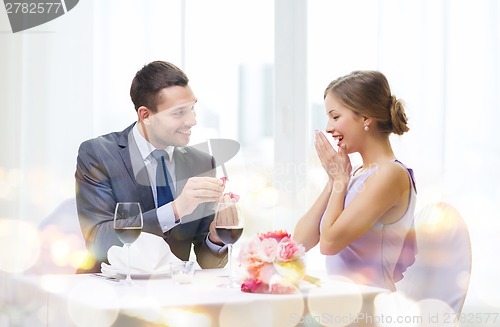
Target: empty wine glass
(229,226)
(128,225)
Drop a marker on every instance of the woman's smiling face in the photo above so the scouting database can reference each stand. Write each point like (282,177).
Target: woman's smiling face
(343,124)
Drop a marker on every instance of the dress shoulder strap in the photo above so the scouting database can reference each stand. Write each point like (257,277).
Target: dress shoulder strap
(410,172)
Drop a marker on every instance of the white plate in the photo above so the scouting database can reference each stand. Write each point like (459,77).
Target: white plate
(122,273)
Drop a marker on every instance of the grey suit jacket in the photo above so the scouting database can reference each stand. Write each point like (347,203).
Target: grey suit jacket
(110,169)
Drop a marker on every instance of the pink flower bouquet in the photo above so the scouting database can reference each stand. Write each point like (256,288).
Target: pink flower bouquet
(273,262)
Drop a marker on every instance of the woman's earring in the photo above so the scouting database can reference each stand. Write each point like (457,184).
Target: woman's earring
(367,128)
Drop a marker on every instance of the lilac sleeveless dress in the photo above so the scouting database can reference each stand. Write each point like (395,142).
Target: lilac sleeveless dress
(381,255)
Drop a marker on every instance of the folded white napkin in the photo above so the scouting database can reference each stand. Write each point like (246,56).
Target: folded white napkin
(149,254)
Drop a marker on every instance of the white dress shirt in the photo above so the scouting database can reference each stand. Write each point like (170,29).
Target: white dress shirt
(165,213)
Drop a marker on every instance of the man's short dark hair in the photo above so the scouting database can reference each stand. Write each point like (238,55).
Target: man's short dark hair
(151,79)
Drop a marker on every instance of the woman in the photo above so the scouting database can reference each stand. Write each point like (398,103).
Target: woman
(363,218)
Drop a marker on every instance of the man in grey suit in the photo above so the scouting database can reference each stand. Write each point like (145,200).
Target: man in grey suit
(120,167)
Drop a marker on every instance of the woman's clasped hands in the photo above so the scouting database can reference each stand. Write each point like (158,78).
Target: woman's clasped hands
(336,164)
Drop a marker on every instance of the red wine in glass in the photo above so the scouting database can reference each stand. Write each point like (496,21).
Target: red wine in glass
(229,227)
(229,234)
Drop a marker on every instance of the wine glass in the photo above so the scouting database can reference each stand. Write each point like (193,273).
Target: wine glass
(128,225)
(229,226)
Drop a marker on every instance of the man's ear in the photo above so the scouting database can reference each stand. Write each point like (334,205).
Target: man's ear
(143,114)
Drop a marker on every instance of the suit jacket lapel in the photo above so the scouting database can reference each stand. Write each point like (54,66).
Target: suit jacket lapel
(136,169)
(183,170)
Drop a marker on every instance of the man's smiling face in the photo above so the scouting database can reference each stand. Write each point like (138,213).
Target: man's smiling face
(171,124)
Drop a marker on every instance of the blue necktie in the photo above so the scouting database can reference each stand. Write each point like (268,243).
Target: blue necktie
(163,192)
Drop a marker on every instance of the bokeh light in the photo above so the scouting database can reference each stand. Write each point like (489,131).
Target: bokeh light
(14,177)
(20,245)
(338,311)
(184,318)
(93,303)
(435,312)
(62,251)
(53,284)
(280,313)
(395,309)
(267,197)
(146,308)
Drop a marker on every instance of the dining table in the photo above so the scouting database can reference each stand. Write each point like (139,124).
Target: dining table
(98,300)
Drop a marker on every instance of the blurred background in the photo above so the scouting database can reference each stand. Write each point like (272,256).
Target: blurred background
(259,69)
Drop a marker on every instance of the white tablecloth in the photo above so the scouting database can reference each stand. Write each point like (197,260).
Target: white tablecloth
(86,300)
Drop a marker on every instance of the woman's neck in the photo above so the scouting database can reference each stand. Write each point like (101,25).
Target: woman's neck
(376,152)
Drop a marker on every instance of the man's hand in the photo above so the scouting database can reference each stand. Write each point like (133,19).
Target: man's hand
(198,190)
(212,236)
